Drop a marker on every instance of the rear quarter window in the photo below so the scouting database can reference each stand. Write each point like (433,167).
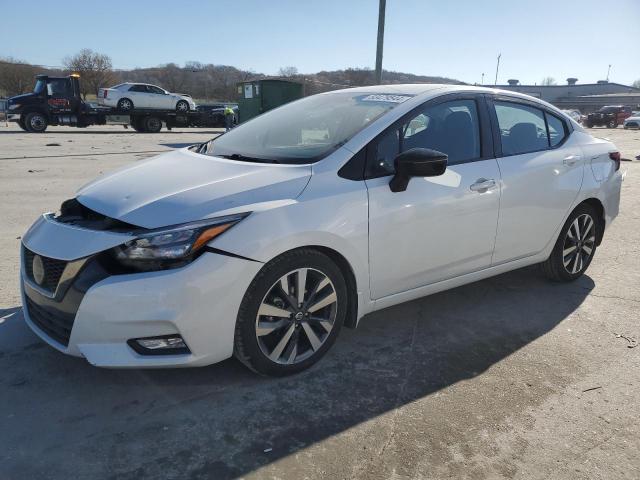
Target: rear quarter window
(557,130)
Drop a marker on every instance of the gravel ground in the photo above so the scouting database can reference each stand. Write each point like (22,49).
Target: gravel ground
(511,377)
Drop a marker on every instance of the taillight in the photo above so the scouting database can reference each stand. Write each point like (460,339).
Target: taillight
(615,156)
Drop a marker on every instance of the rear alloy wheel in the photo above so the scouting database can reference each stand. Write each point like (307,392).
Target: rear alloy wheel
(124,105)
(612,124)
(575,246)
(291,313)
(182,106)
(36,122)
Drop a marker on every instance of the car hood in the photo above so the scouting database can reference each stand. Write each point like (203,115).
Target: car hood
(183,186)
(22,98)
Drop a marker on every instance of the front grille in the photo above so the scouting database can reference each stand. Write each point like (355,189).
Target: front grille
(53,269)
(53,322)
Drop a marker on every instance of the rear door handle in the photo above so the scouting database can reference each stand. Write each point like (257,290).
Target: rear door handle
(482,185)
(570,160)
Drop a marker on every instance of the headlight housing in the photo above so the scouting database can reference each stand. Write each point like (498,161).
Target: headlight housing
(171,247)
(13,106)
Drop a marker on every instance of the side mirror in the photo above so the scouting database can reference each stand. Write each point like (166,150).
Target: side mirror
(417,162)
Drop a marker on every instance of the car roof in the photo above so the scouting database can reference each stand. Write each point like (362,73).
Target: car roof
(138,83)
(427,90)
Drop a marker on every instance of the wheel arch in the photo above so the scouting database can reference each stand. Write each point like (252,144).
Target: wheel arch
(33,109)
(597,205)
(351,320)
(124,97)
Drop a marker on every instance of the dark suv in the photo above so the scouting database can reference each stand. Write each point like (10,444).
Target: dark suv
(610,116)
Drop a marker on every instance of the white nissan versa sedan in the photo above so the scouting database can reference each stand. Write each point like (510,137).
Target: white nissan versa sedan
(265,241)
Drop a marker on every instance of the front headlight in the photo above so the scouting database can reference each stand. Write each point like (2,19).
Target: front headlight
(172,247)
(13,106)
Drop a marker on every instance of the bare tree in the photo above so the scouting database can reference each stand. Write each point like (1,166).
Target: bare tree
(287,72)
(172,77)
(359,76)
(95,70)
(16,76)
(636,84)
(548,81)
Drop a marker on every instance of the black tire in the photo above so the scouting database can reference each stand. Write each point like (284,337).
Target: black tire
(152,124)
(182,106)
(247,348)
(612,124)
(125,104)
(137,124)
(554,267)
(22,125)
(35,122)
(588,124)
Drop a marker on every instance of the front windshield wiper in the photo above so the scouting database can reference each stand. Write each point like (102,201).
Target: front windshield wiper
(245,158)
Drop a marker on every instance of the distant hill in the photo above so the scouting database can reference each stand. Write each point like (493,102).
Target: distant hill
(356,77)
(212,82)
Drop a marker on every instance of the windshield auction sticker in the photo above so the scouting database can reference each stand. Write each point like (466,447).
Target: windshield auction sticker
(381,97)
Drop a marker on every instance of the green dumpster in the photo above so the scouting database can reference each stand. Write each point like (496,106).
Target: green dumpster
(259,96)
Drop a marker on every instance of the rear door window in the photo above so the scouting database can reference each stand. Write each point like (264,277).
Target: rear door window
(522,128)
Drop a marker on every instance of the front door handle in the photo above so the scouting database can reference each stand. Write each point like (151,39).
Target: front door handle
(482,185)
(570,160)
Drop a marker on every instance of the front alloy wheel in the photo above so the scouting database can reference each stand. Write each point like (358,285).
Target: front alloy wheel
(291,313)
(36,122)
(296,316)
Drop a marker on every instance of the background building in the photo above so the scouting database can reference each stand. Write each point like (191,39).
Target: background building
(586,97)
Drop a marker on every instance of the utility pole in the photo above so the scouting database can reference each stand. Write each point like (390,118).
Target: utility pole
(482,81)
(497,68)
(383,4)
(608,71)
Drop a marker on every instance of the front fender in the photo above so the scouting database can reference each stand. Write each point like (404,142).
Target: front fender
(336,221)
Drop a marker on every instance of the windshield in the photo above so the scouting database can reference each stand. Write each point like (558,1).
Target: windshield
(608,110)
(40,86)
(306,130)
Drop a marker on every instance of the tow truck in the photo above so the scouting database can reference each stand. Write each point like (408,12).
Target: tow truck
(57,101)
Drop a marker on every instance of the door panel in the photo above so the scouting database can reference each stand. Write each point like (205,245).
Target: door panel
(158,98)
(539,187)
(437,229)
(443,226)
(60,96)
(137,96)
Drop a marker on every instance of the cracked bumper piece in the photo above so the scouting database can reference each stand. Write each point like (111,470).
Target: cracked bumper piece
(199,302)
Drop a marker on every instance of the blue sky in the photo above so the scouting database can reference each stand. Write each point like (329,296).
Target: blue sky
(456,38)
